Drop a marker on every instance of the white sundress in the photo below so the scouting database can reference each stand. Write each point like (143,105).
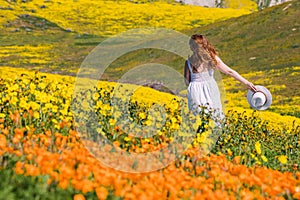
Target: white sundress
(204,91)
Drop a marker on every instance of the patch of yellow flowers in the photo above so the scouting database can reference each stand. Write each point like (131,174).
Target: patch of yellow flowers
(111,17)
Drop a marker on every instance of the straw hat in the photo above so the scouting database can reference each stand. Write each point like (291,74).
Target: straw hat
(260,100)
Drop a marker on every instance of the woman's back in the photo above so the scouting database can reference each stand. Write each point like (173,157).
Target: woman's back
(201,74)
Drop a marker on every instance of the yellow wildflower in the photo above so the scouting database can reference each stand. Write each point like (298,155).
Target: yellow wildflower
(54,121)
(112,122)
(55,108)
(258,148)
(23,104)
(148,123)
(201,139)
(229,152)
(99,104)
(42,85)
(142,115)
(264,158)
(282,159)
(34,105)
(173,119)
(36,115)
(32,87)
(147,140)
(96,96)
(159,132)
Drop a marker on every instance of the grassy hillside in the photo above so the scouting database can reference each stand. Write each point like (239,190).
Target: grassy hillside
(265,40)
(262,46)
(55,36)
(111,17)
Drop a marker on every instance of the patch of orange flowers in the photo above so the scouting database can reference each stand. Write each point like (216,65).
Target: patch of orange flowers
(68,163)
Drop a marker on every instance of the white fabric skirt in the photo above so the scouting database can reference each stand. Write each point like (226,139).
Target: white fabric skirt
(205,93)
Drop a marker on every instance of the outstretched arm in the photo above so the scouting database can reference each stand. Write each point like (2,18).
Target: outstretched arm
(227,70)
(187,78)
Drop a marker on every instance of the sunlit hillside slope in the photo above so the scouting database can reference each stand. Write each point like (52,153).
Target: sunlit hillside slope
(111,17)
(262,46)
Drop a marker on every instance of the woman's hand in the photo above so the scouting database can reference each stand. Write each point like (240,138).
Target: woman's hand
(251,86)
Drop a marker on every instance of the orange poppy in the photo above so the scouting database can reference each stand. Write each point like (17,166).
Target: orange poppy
(78,197)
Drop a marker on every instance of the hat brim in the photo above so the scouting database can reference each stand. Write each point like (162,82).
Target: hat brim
(267,94)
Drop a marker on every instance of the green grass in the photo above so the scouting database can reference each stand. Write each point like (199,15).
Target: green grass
(69,49)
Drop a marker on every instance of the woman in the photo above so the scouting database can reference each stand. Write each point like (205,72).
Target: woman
(198,72)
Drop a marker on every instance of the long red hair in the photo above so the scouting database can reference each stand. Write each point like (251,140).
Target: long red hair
(204,52)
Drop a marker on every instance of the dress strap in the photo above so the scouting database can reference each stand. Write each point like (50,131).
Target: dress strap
(189,65)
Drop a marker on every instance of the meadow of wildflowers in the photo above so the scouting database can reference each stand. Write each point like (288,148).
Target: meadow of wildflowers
(57,145)
(38,138)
